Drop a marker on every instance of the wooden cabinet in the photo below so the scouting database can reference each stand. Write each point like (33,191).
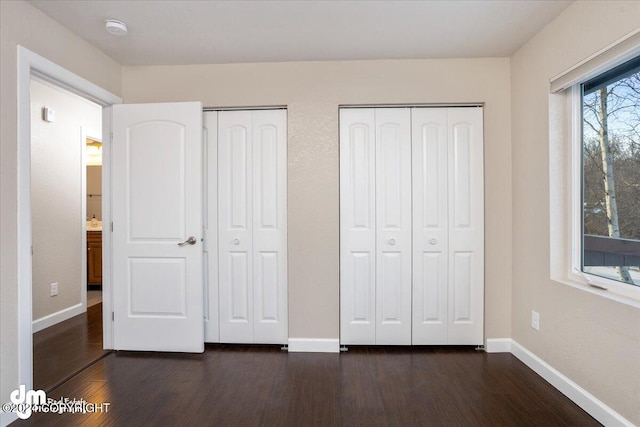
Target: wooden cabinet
(94,258)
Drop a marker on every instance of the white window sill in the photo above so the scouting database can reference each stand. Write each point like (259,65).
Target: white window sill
(579,282)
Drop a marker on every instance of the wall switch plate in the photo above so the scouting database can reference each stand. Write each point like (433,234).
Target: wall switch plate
(535,320)
(54,289)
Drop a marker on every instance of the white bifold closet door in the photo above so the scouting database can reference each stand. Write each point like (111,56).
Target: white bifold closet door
(448,226)
(411,226)
(375,201)
(252,226)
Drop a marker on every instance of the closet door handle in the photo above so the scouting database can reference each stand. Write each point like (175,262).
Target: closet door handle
(392,242)
(433,241)
(236,242)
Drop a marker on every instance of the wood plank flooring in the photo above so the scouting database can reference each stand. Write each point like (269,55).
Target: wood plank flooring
(63,349)
(262,386)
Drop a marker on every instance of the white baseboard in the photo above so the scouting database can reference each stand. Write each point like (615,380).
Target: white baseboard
(498,345)
(314,345)
(60,316)
(592,405)
(7,418)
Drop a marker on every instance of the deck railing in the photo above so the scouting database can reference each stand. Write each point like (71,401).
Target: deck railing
(610,251)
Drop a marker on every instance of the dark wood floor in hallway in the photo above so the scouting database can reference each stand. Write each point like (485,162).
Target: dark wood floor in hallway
(64,349)
(263,386)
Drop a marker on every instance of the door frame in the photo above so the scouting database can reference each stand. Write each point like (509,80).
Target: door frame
(31,64)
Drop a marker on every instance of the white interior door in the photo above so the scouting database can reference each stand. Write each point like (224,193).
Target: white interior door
(252,223)
(411,226)
(157,206)
(357,226)
(269,192)
(466,226)
(430,226)
(393,225)
(210,219)
(235,226)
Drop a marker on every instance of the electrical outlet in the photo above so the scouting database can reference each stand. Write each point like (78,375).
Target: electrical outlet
(535,320)
(54,289)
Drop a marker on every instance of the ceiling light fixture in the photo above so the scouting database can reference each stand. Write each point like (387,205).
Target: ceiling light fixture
(116,27)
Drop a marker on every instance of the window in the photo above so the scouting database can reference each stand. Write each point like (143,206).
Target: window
(610,176)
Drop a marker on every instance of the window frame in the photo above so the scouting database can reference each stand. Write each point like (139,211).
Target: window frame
(603,286)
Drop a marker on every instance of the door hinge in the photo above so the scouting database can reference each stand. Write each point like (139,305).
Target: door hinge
(112,137)
(113,316)
(112,227)
(31,250)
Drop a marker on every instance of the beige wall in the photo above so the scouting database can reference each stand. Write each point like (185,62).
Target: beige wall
(592,340)
(56,195)
(22,24)
(312,91)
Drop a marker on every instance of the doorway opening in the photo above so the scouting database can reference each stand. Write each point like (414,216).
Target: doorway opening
(31,65)
(67,335)
(93,215)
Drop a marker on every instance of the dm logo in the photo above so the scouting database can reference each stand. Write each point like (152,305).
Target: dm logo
(25,400)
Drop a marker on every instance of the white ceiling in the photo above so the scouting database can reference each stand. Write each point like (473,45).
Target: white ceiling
(209,32)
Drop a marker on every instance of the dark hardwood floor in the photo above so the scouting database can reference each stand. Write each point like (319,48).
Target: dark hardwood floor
(263,386)
(65,348)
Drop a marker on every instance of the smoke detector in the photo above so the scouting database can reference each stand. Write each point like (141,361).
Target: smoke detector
(116,27)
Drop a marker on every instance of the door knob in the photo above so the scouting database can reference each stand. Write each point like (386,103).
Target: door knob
(190,241)
(236,242)
(433,241)
(392,242)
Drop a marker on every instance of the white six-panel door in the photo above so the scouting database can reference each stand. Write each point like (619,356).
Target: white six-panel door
(157,276)
(252,257)
(411,192)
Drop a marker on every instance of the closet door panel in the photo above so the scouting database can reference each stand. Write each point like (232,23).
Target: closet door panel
(357,226)
(269,226)
(235,227)
(466,226)
(430,226)
(210,224)
(393,226)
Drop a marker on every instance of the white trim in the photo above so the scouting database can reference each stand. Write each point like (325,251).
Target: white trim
(314,345)
(588,402)
(618,52)
(107,232)
(565,203)
(30,63)
(613,289)
(57,317)
(498,345)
